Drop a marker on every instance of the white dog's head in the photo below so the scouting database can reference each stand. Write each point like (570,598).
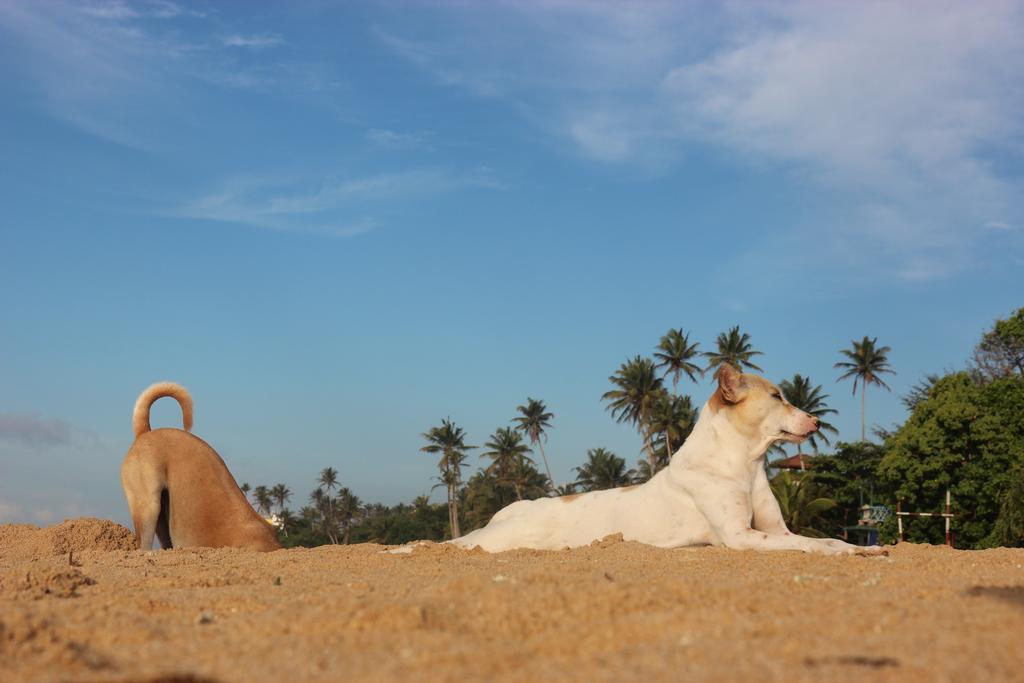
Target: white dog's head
(757,409)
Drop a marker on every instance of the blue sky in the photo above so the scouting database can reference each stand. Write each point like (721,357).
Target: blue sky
(338,223)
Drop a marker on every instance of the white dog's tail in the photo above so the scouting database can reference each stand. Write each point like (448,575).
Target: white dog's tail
(140,417)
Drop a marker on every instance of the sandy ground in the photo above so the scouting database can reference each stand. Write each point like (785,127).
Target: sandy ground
(76,604)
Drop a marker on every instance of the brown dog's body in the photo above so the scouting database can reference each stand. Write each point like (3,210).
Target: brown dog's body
(179,489)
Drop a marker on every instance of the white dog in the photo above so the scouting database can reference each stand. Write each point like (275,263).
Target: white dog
(714,491)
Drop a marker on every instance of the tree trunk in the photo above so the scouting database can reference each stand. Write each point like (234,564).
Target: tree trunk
(863,431)
(453,511)
(547,468)
(650,454)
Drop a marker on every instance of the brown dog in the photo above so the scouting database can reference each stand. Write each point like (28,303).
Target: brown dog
(179,488)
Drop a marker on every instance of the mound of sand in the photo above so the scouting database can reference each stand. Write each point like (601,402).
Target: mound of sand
(26,542)
(612,611)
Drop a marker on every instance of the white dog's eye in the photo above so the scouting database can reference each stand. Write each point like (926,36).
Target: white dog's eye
(778,396)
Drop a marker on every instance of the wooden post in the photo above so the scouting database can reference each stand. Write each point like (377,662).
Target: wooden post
(899,520)
(949,535)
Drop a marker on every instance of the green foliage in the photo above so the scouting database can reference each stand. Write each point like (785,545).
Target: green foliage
(801,503)
(849,477)
(508,455)
(675,353)
(672,418)
(485,493)
(735,349)
(1009,527)
(637,389)
(1001,350)
(603,470)
(865,362)
(534,420)
(965,436)
(450,441)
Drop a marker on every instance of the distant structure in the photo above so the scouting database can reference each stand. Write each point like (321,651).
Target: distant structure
(794,462)
(947,515)
(866,530)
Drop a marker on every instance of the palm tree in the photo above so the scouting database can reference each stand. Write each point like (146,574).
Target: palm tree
(802,395)
(245,488)
(673,417)
(638,388)
(264,501)
(280,494)
(566,489)
(507,450)
(286,521)
(865,364)
(534,421)
(799,502)
(329,478)
(450,441)
(324,514)
(349,506)
(735,349)
(603,470)
(674,353)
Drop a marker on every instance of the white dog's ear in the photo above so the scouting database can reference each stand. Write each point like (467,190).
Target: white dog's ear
(730,382)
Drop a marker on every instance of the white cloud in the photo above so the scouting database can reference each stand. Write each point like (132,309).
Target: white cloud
(256,41)
(893,109)
(395,140)
(34,431)
(119,10)
(338,208)
(104,68)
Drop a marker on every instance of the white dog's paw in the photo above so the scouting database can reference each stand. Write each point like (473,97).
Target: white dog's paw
(863,550)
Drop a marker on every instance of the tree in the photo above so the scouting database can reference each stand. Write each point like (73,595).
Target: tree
(800,394)
(675,353)
(735,349)
(450,441)
(638,387)
(329,478)
(281,495)
(1001,350)
(673,417)
(286,521)
(1009,527)
(966,437)
(865,363)
(801,503)
(484,496)
(506,451)
(348,508)
(529,481)
(534,421)
(566,489)
(264,501)
(849,477)
(920,391)
(322,514)
(603,470)
(245,488)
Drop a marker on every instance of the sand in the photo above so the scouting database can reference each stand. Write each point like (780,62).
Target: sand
(76,603)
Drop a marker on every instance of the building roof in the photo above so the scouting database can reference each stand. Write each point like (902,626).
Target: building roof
(794,462)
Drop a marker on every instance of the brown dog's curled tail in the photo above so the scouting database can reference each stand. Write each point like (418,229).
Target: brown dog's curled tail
(140,417)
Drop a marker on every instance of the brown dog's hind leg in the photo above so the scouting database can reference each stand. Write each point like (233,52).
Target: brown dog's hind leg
(163,527)
(143,493)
